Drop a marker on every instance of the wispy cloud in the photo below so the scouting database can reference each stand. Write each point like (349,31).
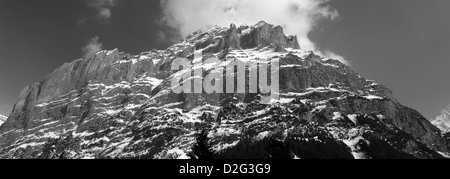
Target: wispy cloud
(332,55)
(94,45)
(298,17)
(102,8)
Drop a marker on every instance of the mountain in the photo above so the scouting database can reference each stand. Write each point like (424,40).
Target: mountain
(111,104)
(443,121)
(2,119)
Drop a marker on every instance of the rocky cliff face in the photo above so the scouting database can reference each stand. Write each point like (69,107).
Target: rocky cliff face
(116,105)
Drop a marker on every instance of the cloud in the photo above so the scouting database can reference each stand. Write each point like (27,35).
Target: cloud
(94,45)
(298,17)
(102,8)
(331,55)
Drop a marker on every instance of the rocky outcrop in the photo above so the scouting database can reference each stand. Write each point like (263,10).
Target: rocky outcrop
(243,37)
(264,34)
(116,105)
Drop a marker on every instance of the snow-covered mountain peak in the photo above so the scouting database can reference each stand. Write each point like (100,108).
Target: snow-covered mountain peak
(443,120)
(116,105)
(2,119)
(218,39)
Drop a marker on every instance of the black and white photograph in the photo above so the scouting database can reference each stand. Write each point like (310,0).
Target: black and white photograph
(238,80)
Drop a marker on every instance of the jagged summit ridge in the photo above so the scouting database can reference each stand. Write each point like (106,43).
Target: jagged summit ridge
(260,35)
(111,104)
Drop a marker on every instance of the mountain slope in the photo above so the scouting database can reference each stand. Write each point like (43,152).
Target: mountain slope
(443,121)
(115,105)
(2,119)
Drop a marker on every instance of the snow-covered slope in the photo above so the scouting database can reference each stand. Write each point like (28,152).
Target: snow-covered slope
(2,119)
(443,120)
(116,105)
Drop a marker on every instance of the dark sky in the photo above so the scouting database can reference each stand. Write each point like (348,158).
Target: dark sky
(402,44)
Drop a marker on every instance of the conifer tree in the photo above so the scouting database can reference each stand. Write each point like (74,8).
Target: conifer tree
(202,150)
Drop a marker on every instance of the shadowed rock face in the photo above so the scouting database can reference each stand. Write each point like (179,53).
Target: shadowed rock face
(116,105)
